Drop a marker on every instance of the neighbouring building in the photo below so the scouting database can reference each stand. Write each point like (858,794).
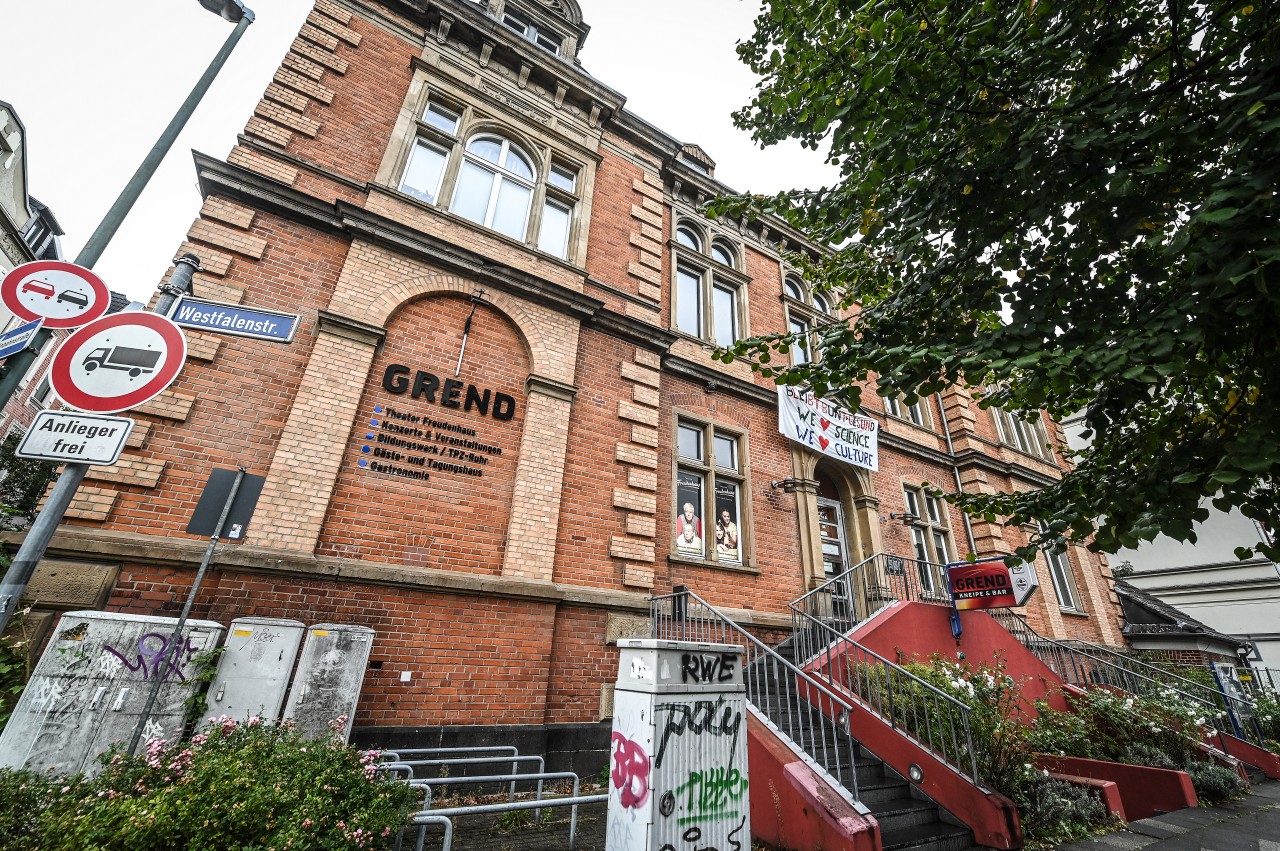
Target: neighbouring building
(1205,579)
(500,429)
(28,232)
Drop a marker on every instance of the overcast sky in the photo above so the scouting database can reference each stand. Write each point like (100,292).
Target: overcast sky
(95,83)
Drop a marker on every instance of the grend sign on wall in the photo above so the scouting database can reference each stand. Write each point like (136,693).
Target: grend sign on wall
(828,428)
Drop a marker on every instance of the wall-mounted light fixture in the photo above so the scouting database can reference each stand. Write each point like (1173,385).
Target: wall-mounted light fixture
(788,485)
(906,517)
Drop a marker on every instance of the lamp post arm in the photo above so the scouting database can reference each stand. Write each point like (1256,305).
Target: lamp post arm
(97,243)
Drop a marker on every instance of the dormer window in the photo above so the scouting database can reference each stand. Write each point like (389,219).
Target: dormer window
(544,38)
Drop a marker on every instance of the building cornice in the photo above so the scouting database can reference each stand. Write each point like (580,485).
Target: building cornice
(714,381)
(81,542)
(632,330)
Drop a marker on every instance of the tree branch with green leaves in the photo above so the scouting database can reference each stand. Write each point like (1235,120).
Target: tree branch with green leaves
(1066,204)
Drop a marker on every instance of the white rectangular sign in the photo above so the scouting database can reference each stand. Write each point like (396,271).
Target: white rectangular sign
(828,428)
(73,436)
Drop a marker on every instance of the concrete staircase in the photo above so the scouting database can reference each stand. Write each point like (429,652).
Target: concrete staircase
(907,818)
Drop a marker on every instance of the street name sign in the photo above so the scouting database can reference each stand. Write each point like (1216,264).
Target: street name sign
(12,342)
(63,294)
(118,362)
(73,436)
(234,319)
(991,584)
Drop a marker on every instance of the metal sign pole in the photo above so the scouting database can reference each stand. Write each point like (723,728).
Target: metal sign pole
(41,531)
(176,643)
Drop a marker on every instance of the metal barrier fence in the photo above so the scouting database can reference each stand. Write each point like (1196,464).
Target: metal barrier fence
(919,710)
(1259,678)
(818,724)
(1083,664)
(439,816)
(851,597)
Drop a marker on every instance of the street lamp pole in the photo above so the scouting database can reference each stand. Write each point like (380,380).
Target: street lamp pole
(41,531)
(232,10)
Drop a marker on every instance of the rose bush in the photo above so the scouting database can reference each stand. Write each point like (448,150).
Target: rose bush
(232,786)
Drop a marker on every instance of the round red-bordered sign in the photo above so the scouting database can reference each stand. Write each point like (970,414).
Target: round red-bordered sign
(118,362)
(63,294)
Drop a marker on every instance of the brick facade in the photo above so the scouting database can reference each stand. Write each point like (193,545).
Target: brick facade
(499,589)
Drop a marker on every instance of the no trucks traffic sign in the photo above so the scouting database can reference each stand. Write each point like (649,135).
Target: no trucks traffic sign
(118,362)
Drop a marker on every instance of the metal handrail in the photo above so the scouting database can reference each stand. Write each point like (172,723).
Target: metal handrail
(1101,666)
(855,594)
(818,727)
(435,816)
(906,702)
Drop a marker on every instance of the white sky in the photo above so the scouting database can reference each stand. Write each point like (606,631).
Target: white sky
(95,87)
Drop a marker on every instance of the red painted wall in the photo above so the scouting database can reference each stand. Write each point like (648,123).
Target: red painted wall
(1265,761)
(915,631)
(1144,791)
(793,807)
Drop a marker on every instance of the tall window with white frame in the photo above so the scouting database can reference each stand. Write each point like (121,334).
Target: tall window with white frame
(930,527)
(1024,435)
(915,413)
(804,310)
(710,483)
(1064,580)
(527,194)
(708,287)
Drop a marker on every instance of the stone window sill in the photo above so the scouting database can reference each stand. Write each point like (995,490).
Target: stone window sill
(749,567)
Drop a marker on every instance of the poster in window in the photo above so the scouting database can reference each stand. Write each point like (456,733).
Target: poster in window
(688,525)
(728,534)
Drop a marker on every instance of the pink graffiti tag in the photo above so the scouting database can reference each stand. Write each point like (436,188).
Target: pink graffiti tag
(630,771)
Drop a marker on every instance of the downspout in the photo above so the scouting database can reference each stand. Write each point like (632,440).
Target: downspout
(955,471)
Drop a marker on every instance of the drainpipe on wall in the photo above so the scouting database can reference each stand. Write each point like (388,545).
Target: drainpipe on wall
(955,471)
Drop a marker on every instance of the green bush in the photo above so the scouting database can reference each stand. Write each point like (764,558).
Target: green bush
(252,786)
(24,796)
(1054,811)
(1267,705)
(1215,784)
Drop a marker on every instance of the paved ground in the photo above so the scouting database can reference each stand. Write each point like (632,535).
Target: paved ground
(1251,824)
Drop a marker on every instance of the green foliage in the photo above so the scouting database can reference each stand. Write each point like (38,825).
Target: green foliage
(1266,702)
(1051,811)
(1054,811)
(23,484)
(24,796)
(233,786)
(1215,784)
(1111,726)
(203,670)
(1069,204)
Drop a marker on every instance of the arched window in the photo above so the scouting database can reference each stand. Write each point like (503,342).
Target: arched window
(495,185)
(793,289)
(721,253)
(688,238)
(707,299)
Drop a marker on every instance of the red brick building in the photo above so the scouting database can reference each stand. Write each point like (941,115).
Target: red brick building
(500,515)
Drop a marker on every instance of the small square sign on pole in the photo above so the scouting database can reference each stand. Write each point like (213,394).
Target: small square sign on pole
(204,520)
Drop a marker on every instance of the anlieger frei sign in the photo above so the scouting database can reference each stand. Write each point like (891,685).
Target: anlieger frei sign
(828,428)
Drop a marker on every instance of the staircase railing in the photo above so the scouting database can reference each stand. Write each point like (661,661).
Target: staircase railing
(819,728)
(914,707)
(856,594)
(1083,664)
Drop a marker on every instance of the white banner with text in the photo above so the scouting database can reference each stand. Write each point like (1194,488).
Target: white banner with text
(828,428)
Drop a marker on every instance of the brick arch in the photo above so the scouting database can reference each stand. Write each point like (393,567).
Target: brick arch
(545,356)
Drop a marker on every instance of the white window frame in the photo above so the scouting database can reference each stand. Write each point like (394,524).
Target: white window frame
(711,470)
(1028,437)
(698,261)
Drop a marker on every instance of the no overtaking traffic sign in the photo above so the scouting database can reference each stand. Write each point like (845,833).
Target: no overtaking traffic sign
(63,294)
